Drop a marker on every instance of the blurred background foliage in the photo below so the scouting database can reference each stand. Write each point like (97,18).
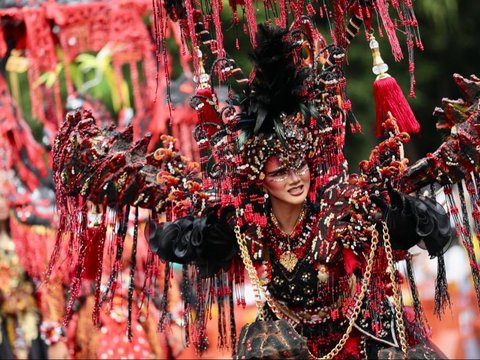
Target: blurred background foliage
(449,30)
(92,74)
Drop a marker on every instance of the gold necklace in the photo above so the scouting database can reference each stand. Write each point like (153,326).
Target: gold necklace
(288,259)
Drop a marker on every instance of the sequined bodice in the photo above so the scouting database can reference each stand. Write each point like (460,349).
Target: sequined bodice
(318,285)
(310,284)
(320,291)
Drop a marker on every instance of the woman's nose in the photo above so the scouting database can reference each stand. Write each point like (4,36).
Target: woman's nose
(292,174)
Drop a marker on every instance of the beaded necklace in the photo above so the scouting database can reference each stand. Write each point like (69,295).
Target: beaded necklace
(281,244)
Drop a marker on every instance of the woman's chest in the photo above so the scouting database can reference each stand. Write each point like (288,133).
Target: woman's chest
(317,279)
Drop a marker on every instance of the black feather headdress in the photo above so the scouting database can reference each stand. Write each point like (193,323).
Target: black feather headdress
(279,87)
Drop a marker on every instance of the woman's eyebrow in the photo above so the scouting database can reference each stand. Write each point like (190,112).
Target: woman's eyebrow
(277,170)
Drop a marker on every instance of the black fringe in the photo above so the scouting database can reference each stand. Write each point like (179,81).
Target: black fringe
(164,302)
(203,309)
(442,297)
(133,264)
(233,329)
(186,295)
(417,306)
(222,326)
(468,242)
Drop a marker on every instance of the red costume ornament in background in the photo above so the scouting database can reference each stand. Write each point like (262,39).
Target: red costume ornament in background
(31,37)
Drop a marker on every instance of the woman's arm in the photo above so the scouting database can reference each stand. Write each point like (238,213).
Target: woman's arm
(208,241)
(413,220)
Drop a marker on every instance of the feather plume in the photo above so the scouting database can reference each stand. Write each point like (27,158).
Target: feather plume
(279,85)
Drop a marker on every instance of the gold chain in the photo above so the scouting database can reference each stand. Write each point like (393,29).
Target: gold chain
(396,295)
(284,233)
(252,274)
(258,287)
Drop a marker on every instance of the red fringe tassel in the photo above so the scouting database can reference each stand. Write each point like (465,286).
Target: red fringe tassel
(389,98)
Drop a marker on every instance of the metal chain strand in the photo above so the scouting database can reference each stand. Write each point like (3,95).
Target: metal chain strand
(258,287)
(252,274)
(396,294)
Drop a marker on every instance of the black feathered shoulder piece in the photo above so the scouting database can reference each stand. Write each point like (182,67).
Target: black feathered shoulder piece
(279,85)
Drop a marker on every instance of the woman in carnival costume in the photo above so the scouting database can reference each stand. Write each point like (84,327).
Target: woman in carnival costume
(313,242)
(274,199)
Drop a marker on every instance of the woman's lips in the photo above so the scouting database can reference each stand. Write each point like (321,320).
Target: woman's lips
(296,191)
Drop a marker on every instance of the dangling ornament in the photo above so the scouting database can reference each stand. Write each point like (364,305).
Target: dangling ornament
(323,274)
(389,97)
(288,260)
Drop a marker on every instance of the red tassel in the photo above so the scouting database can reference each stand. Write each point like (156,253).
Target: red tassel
(389,98)
(94,252)
(3,44)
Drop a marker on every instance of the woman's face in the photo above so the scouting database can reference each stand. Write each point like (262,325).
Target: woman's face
(286,184)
